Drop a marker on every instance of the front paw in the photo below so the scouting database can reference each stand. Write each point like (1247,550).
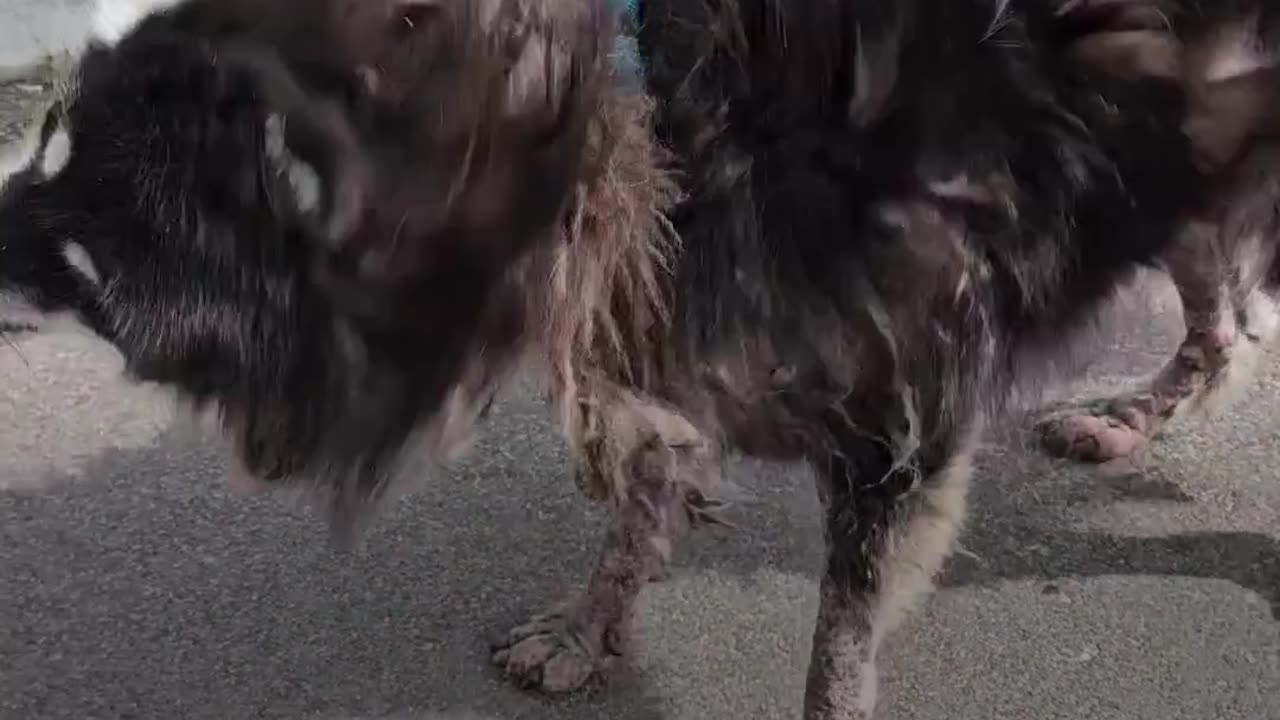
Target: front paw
(558,652)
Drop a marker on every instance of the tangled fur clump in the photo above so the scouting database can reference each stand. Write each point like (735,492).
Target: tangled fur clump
(602,288)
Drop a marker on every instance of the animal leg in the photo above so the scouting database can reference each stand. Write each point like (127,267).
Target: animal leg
(888,533)
(1228,323)
(660,469)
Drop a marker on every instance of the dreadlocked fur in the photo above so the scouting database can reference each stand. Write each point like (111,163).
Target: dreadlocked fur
(599,292)
(826,231)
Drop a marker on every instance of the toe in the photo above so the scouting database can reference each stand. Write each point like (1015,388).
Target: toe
(1113,443)
(565,672)
(541,625)
(527,658)
(1091,438)
(1061,435)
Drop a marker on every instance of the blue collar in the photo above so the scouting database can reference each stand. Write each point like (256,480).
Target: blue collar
(626,51)
(631,8)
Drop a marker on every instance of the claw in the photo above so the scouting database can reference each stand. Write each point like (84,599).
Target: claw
(554,653)
(707,511)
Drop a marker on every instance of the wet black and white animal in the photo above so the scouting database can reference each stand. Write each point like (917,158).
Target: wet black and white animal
(343,223)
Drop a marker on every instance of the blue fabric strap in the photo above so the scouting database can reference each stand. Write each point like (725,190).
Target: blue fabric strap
(630,8)
(633,9)
(626,51)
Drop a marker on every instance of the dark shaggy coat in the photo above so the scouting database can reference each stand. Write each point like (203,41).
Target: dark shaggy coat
(831,231)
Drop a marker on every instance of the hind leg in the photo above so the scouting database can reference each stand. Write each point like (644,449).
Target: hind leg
(659,470)
(888,533)
(1229,320)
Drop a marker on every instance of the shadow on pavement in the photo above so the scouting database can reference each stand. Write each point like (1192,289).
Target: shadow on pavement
(1018,527)
(150,592)
(1250,560)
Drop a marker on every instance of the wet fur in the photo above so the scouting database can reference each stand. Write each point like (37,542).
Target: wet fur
(831,232)
(442,138)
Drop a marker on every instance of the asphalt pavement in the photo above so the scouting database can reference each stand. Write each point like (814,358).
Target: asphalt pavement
(133,585)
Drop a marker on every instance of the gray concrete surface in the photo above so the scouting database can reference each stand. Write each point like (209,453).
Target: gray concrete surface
(31,30)
(133,586)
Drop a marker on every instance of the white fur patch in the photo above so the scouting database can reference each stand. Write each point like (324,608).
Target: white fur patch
(1250,347)
(113,19)
(304,182)
(1237,53)
(962,187)
(78,258)
(56,153)
(870,689)
(999,18)
(1262,318)
(917,550)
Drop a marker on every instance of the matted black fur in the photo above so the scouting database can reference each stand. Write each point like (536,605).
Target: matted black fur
(889,213)
(235,164)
